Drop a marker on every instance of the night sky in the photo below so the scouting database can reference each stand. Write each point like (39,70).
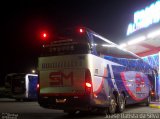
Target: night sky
(21,23)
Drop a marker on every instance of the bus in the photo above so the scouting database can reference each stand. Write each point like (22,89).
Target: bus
(83,71)
(21,86)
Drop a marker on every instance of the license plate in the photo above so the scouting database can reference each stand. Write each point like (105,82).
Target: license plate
(61,100)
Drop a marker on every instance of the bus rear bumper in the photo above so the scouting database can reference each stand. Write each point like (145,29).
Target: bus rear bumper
(65,103)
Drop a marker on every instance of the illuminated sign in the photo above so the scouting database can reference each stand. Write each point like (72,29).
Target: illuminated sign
(145,17)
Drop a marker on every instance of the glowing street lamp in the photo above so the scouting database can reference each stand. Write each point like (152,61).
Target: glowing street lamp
(33,71)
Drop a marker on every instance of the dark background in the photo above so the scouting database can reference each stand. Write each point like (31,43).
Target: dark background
(22,22)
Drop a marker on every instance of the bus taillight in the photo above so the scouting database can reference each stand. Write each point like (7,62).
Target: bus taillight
(89,85)
(152,93)
(88,81)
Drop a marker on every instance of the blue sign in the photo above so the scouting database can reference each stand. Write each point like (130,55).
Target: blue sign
(145,17)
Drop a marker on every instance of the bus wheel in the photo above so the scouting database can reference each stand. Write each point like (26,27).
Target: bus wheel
(112,106)
(121,104)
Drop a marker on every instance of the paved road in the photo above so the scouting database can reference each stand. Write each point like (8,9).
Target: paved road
(25,110)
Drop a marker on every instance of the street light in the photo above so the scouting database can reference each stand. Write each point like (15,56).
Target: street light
(33,71)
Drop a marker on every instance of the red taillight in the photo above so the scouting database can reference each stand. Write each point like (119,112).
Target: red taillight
(89,85)
(88,81)
(152,93)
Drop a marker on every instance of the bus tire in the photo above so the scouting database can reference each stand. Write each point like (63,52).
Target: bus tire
(120,104)
(112,105)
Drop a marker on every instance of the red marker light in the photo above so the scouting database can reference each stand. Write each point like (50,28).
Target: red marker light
(44,35)
(81,30)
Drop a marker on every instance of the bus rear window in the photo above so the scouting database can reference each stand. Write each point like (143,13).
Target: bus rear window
(66,47)
(66,42)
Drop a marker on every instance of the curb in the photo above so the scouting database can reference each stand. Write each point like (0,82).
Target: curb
(154,105)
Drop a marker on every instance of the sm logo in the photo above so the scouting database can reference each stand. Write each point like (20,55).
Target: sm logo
(61,79)
(140,82)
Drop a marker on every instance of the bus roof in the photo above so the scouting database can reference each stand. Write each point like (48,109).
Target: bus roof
(108,42)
